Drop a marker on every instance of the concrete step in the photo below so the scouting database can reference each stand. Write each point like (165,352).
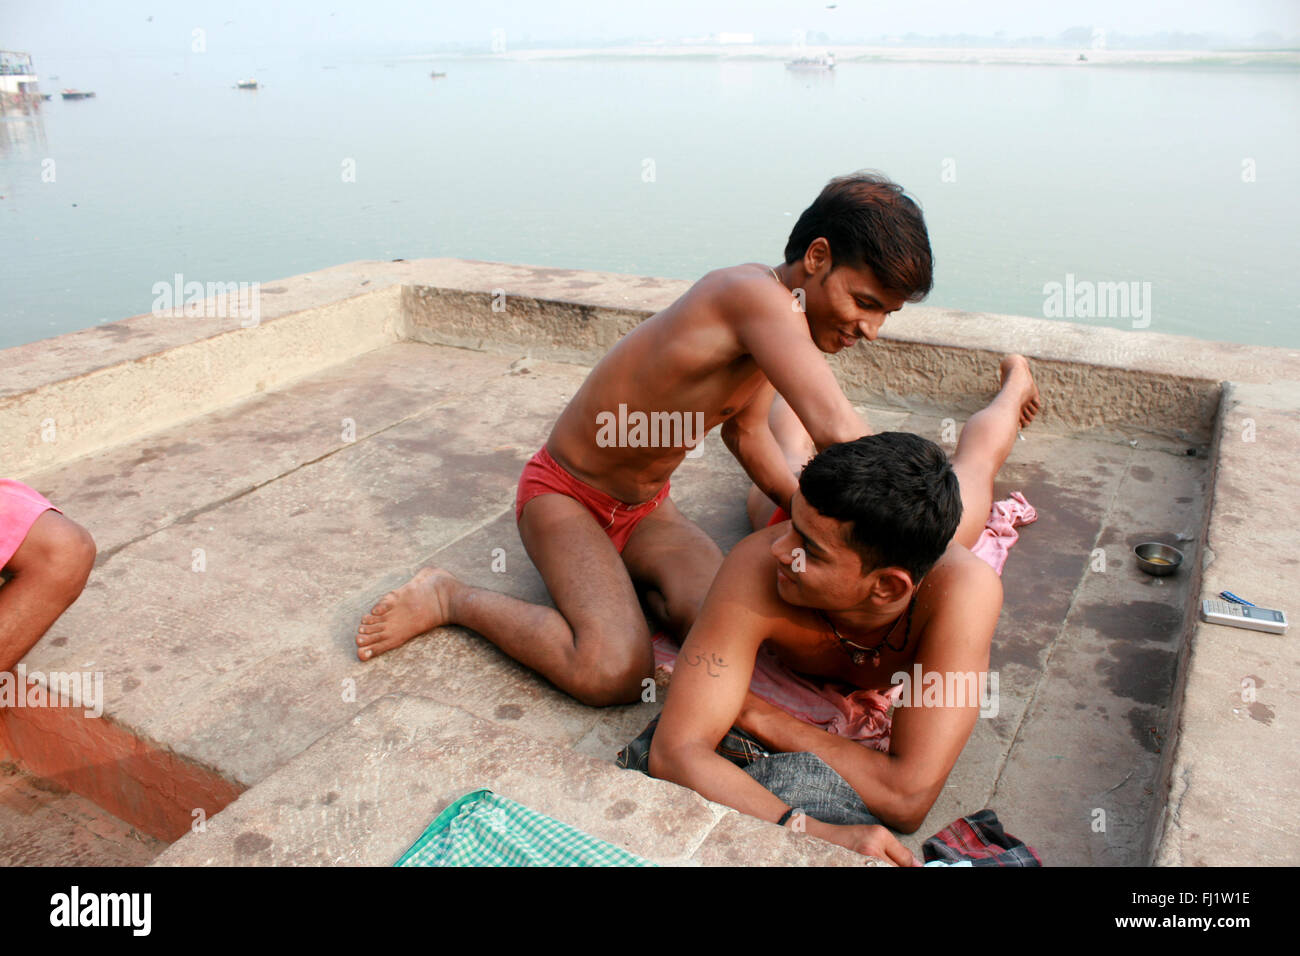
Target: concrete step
(44,824)
(361,795)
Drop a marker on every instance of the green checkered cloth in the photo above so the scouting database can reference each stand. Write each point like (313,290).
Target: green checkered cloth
(484,829)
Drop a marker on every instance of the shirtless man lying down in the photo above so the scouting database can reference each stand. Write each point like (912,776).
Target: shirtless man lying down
(593,505)
(871,575)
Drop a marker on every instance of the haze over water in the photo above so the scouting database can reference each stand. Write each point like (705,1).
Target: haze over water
(1107,174)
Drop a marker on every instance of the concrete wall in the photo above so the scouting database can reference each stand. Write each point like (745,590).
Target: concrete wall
(120,381)
(97,407)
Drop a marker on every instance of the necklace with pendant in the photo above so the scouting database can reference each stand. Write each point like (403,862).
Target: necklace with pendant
(857,653)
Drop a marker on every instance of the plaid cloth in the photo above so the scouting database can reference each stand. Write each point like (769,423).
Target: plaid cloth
(484,829)
(980,839)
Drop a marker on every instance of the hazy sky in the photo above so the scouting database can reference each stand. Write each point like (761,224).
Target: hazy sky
(76,27)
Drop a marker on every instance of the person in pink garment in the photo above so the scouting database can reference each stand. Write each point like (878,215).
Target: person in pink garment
(871,575)
(45,560)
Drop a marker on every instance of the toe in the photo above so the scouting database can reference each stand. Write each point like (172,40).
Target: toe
(375,649)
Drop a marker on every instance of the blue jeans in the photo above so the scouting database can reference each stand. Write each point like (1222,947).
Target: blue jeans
(807,783)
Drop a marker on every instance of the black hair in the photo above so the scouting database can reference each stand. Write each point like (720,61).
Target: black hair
(869,220)
(899,492)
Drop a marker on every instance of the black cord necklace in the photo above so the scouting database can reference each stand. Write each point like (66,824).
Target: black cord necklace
(857,653)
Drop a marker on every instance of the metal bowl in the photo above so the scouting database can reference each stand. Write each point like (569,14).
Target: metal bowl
(1158,559)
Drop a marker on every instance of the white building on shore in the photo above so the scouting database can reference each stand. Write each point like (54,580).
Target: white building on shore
(18,80)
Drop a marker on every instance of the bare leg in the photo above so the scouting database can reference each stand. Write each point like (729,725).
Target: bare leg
(594,645)
(46,573)
(798,447)
(985,442)
(673,558)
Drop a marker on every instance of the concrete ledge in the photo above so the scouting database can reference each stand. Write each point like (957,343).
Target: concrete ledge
(1233,776)
(145,784)
(561,331)
(95,408)
(363,794)
(90,390)
(185,436)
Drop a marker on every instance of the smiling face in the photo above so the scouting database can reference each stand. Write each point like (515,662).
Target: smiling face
(843,304)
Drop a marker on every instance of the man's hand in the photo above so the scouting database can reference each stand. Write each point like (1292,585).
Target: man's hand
(869,840)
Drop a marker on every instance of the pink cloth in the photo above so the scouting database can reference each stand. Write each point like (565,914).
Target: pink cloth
(20,506)
(861,715)
(1000,532)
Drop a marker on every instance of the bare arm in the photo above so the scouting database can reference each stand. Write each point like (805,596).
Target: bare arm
(901,786)
(750,438)
(777,337)
(710,683)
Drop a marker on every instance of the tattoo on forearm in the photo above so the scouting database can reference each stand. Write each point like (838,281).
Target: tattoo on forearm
(711,662)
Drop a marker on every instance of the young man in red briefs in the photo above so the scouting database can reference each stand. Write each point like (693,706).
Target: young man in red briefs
(597,518)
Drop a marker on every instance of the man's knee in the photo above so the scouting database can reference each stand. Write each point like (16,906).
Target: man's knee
(606,676)
(65,553)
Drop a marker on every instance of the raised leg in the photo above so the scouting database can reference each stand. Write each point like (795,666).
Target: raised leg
(46,574)
(595,643)
(985,442)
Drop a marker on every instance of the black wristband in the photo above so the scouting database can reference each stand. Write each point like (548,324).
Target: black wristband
(785,816)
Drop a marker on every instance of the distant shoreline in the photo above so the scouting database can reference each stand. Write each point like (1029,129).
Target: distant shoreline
(1289,59)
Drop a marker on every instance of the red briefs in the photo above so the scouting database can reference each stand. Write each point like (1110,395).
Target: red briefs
(779,515)
(20,506)
(543,475)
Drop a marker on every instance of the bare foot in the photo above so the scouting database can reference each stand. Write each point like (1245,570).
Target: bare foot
(1016,375)
(419,605)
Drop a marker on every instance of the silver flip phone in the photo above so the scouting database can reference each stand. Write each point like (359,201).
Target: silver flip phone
(1239,615)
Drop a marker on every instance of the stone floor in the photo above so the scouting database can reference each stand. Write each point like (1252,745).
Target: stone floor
(43,824)
(237,552)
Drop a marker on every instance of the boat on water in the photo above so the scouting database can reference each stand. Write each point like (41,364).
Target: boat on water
(812,63)
(77,94)
(246,85)
(435,74)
